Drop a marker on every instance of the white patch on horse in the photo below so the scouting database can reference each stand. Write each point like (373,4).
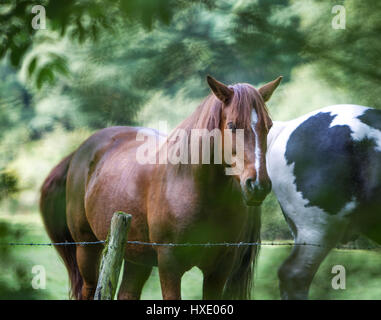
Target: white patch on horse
(359,129)
(257,150)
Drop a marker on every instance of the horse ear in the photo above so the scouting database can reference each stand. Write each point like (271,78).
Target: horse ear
(267,90)
(221,91)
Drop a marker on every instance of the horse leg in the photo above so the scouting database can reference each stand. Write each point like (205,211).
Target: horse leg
(170,273)
(214,283)
(88,264)
(134,278)
(215,280)
(297,272)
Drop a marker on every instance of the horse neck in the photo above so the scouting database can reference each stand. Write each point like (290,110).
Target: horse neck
(206,175)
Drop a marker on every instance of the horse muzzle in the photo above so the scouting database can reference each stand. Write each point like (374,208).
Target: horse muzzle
(254,192)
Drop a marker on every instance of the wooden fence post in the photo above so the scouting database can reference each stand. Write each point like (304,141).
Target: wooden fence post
(112,256)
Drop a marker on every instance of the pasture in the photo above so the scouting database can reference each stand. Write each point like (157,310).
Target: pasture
(362,270)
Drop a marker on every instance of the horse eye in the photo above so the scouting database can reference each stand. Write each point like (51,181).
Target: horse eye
(231,126)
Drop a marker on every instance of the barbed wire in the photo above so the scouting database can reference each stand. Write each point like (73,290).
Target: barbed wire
(66,243)
(209,244)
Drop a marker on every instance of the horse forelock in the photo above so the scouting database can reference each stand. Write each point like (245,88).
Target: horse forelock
(245,98)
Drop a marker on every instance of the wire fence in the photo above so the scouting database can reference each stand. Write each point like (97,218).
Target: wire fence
(209,244)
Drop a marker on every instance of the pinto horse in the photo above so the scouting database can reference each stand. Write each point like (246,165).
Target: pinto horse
(325,168)
(189,202)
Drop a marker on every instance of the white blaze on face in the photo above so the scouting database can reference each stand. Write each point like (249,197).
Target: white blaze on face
(257,150)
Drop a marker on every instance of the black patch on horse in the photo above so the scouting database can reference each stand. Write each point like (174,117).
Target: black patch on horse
(330,168)
(372,118)
(371,160)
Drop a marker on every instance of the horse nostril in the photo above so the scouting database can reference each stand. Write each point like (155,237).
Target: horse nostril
(250,184)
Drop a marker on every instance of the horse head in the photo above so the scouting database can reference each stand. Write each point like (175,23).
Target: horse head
(242,112)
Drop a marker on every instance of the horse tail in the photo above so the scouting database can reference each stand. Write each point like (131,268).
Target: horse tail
(53,212)
(241,280)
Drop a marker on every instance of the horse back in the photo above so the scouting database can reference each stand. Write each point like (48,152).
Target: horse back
(105,177)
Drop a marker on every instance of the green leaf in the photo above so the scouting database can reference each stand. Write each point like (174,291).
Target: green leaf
(45,76)
(32,66)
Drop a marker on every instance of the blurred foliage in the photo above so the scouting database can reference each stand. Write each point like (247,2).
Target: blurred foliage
(79,19)
(284,34)
(8,184)
(346,58)
(274,226)
(15,277)
(136,62)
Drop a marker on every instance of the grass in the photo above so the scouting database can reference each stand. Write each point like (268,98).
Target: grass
(362,270)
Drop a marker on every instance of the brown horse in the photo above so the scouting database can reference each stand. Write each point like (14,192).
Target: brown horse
(170,203)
